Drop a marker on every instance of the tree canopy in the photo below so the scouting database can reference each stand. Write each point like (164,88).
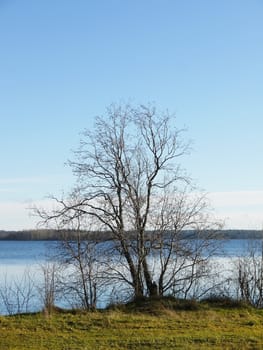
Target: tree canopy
(130,183)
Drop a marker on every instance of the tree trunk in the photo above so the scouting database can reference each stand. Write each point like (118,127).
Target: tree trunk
(152,288)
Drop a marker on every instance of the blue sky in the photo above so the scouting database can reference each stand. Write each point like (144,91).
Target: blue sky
(63,62)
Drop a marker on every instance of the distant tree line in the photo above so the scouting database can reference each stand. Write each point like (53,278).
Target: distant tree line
(55,235)
(29,235)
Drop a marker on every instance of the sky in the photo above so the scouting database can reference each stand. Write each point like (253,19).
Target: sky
(63,62)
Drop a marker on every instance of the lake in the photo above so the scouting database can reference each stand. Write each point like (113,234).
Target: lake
(21,259)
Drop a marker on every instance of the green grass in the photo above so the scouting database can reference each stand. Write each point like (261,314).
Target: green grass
(146,326)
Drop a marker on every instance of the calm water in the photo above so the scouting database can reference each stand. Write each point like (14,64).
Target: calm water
(34,252)
(23,252)
(18,257)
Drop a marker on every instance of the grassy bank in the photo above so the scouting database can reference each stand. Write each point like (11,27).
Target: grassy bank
(144,327)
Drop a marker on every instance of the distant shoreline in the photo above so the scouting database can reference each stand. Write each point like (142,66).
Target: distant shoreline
(54,235)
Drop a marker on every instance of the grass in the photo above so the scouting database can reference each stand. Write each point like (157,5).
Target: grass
(140,325)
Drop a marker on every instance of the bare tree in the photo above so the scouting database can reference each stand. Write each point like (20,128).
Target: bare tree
(48,287)
(81,283)
(249,275)
(130,184)
(78,255)
(18,295)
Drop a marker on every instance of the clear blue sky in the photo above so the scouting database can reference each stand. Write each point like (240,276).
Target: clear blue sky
(62,62)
